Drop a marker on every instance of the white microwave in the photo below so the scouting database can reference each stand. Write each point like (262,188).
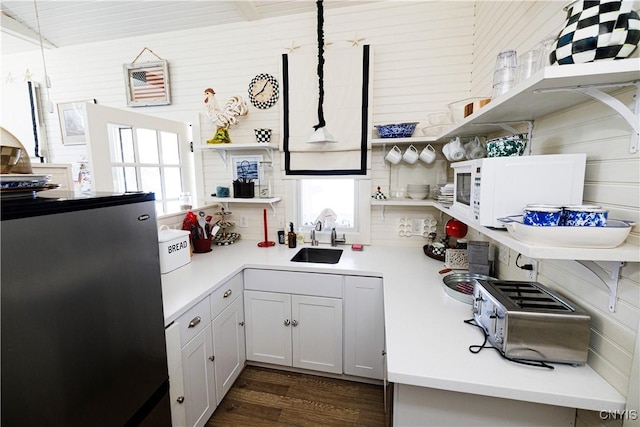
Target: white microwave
(497,187)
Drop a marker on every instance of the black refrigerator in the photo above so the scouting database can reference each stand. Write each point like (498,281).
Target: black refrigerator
(82,324)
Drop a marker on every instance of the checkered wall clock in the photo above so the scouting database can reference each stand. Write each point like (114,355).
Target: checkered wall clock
(264,91)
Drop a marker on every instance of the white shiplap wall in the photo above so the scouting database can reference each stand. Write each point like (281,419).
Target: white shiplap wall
(612,180)
(427,54)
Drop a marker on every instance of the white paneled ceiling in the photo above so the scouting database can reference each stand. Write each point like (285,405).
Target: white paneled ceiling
(66,23)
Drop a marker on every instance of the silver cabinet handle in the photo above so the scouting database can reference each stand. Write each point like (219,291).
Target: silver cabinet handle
(241,323)
(286,322)
(227,293)
(194,322)
(294,323)
(180,399)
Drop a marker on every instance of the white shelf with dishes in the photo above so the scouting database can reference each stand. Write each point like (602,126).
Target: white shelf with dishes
(222,149)
(376,142)
(552,89)
(626,252)
(401,202)
(590,258)
(225,201)
(549,90)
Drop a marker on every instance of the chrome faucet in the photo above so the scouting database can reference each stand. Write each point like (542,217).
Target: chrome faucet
(335,240)
(314,241)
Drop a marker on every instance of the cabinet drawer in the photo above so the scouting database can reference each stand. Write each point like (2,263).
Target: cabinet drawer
(225,295)
(194,320)
(293,282)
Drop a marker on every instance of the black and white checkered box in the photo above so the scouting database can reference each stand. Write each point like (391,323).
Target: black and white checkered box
(597,30)
(263,136)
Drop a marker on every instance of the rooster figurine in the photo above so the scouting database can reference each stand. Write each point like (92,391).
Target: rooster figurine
(223,118)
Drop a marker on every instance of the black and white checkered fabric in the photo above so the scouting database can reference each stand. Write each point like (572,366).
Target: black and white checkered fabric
(596,30)
(263,136)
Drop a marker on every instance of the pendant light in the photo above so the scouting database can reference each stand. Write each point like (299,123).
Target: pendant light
(321,134)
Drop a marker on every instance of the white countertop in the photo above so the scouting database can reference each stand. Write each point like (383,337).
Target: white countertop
(427,340)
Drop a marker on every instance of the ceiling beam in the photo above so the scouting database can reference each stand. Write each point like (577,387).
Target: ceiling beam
(248,9)
(11,27)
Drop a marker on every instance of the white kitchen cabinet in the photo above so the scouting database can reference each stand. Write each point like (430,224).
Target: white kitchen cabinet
(176,379)
(268,327)
(294,330)
(228,346)
(206,356)
(199,381)
(364,345)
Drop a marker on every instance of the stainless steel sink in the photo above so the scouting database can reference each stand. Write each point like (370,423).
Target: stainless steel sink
(322,256)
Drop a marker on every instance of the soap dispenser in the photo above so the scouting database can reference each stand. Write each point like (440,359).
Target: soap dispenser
(291,237)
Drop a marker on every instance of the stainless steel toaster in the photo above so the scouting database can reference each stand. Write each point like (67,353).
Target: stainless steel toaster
(527,321)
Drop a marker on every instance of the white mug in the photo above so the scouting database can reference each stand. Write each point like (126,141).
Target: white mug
(411,155)
(394,155)
(445,151)
(475,149)
(456,149)
(428,154)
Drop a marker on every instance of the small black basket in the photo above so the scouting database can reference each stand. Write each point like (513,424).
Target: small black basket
(244,190)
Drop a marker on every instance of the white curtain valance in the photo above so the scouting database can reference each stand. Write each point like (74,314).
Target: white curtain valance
(347,75)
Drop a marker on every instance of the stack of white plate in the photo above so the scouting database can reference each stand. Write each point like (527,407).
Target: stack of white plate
(445,198)
(418,191)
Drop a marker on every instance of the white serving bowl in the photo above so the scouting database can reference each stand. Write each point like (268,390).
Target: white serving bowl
(417,195)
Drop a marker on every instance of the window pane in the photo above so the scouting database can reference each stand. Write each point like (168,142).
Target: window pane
(151,181)
(148,146)
(118,180)
(131,179)
(170,149)
(126,138)
(335,194)
(172,183)
(121,144)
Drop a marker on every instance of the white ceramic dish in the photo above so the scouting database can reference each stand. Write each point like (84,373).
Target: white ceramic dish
(610,236)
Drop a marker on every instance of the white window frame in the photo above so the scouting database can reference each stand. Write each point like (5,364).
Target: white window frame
(100,119)
(362,233)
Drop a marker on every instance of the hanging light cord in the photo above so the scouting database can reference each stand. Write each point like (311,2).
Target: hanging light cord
(321,122)
(44,63)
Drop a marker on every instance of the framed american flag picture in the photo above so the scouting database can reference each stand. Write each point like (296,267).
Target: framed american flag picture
(147,83)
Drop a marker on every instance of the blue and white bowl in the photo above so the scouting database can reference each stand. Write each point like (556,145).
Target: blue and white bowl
(398,130)
(542,215)
(584,216)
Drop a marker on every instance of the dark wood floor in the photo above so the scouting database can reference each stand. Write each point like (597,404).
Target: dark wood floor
(268,397)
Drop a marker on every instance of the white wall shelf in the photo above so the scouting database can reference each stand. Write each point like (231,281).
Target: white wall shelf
(535,96)
(402,202)
(225,201)
(591,258)
(404,141)
(222,149)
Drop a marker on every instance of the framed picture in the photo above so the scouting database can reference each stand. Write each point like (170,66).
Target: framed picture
(73,122)
(246,167)
(147,83)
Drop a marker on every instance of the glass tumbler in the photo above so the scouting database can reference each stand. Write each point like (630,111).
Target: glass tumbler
(504,74)
(265,183)
(527,64)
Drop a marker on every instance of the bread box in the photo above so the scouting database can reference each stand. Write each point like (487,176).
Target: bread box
(175,250)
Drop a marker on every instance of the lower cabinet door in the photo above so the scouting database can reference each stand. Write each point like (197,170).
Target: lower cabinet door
(176,378)
(268,327)
(198,376)
(228,347)
(317,333)
(364,354)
